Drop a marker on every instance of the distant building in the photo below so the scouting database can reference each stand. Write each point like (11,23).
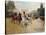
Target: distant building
(41,10)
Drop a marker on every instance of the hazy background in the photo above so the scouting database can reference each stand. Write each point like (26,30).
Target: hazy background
(26,5)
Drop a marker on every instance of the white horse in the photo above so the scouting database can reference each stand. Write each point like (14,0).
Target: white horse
(25,21)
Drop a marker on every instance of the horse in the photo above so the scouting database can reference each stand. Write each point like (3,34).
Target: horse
(19,18)
(16,18)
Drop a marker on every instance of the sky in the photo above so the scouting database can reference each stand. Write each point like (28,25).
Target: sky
(27,5)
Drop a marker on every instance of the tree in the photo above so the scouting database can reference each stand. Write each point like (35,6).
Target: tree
(41,10)
(9,7)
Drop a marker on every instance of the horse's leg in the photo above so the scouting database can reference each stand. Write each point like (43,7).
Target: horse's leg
(11,20)
(18,21)
(14,21)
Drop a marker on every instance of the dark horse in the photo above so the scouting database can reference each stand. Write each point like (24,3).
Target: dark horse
(19,18)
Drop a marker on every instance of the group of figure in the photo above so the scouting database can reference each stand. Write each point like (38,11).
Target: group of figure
(18,17)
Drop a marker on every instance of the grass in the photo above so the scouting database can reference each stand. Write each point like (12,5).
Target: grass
(12,28)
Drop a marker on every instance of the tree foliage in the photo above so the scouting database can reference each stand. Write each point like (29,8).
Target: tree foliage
(9,6)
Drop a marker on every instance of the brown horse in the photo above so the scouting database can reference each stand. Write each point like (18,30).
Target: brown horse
(14,17)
